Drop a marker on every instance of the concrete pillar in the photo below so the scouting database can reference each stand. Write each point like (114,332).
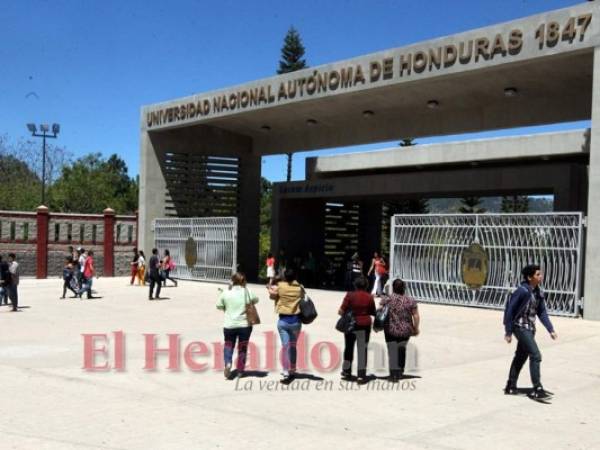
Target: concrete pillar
(43,219)
(249,215)
(152,192)
(109,242)
(592,253)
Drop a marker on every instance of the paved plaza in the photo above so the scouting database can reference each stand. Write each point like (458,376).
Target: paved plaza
(460,361)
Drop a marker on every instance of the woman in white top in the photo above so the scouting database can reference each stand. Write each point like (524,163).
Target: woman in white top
(141,268)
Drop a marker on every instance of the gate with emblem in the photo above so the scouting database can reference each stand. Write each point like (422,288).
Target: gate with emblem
(476,259)
(203,248)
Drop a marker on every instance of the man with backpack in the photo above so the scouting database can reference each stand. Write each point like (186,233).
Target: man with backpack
(526,302)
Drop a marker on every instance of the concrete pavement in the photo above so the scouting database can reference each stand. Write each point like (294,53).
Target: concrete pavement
(47,400)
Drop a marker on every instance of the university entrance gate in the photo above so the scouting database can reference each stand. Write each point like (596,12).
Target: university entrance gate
(203,249)
(429,252)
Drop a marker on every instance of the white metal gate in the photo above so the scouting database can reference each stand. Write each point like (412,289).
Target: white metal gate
(203,248)
(426,252)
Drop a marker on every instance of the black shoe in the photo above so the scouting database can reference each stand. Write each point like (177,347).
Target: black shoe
(346,375)
(362,380)
(150,298)
(393,378)
(539,393)
(510,389)
(287,378)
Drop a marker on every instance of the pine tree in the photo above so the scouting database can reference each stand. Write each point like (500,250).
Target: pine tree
(291,60)
(292,53)
(471,205)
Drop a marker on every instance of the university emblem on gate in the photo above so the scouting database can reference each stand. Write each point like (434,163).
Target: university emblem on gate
(191,252)
(474,264)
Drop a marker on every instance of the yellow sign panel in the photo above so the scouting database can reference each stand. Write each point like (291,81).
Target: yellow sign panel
(474,264)
(191,252)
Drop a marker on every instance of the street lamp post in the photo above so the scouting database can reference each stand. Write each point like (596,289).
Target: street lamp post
(44,134)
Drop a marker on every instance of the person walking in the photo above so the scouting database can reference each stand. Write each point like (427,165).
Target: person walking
(527,302)
(403,322)
(167,265)
(154,274)
(287,295)
(270,263)
(378,267)
(363,307)
(69,281)
(70,253)
(81,257)
(354,269)
(134,265)
(236,327)
(88,276)
(141,268)
(4,280)
(13,285)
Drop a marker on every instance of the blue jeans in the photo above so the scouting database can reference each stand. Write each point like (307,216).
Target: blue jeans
(289,336)
(242,335)
(526,348)
(86,286)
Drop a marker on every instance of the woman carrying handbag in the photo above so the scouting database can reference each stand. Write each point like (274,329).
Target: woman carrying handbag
(402,323)
(362,305)
(240,315)
(287,295)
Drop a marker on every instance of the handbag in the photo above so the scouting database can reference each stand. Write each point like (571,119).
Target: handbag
(308,311)
(381,318)
(347,322)
(251,312)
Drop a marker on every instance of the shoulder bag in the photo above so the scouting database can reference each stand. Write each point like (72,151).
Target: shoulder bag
(251,312)
(308,311)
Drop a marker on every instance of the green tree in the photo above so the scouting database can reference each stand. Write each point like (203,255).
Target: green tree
(266,197)
(292,53)
(515,203)
(291,60)
(91,184)
(21,169)
(471,205)
(20,186)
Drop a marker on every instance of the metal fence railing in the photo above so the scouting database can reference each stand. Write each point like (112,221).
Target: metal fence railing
(204,249)
(426,250)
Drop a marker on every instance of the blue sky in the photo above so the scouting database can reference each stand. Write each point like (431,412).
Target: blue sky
(93,64)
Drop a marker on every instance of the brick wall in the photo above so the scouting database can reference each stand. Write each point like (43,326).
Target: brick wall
(18,234)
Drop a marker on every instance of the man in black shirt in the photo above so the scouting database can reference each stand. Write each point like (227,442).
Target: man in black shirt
(154,274)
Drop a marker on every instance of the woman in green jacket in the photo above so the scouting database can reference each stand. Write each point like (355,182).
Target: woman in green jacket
(236,328)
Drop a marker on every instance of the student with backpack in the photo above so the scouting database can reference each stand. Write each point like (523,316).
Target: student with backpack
(527,302)
(69,281)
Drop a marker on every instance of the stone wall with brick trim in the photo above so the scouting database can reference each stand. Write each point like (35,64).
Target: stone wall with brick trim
(25,247)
